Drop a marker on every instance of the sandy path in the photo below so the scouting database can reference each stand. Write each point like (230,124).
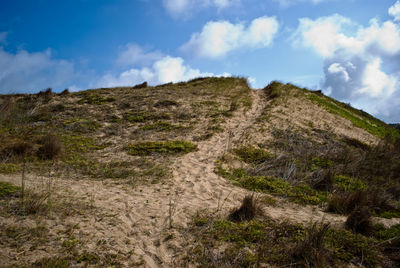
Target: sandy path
(134,223)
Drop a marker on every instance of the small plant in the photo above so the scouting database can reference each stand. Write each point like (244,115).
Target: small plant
(247,211)
(359,221)
(311,250)
(51,148)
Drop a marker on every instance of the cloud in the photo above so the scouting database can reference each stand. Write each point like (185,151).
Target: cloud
(168,69)
(185,7)
(218,38)
(3,37)
(31,72)
(395,11)
(361,63)
(135,55)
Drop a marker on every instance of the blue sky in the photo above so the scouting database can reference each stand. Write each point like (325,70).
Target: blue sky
(348,48)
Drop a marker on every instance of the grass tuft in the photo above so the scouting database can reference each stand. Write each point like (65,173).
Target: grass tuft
(247,211)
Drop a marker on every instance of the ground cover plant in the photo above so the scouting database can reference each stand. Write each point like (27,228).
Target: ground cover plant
(75,129)
(263,241)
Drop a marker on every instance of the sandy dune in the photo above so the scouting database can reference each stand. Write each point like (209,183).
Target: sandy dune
(135,223)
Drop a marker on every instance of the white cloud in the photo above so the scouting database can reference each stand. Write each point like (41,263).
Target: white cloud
(218,38)
(136,55)
(336,68)
(377,83)
(3,37)
(395,11)
(168,69)
(361,63)
(186,7)
(31,72)
(327,36)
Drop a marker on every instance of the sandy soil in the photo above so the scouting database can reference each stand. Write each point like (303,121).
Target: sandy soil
(135,223)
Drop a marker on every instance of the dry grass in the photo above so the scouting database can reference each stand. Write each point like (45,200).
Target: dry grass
(249,208)
(359,221)
(51,147)
(311,251)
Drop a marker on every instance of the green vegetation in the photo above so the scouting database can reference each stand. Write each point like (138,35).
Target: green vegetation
(265,241)
(95,99)
(302,193)
(346,183)
(161,147)
(358,118)
(252,155)
(9,168)
(7,189)
(82,125)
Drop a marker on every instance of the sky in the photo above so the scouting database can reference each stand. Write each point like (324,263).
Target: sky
(350,49)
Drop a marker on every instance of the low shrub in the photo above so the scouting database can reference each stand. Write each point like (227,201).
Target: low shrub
(50,148)
(161,147)
(252,155)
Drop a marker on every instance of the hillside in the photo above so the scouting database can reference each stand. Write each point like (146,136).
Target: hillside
(151,176)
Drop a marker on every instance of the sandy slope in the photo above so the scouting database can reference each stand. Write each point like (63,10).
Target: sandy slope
(135,223)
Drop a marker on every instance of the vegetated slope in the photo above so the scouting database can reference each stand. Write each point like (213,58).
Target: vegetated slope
(309,149)
(146,175)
